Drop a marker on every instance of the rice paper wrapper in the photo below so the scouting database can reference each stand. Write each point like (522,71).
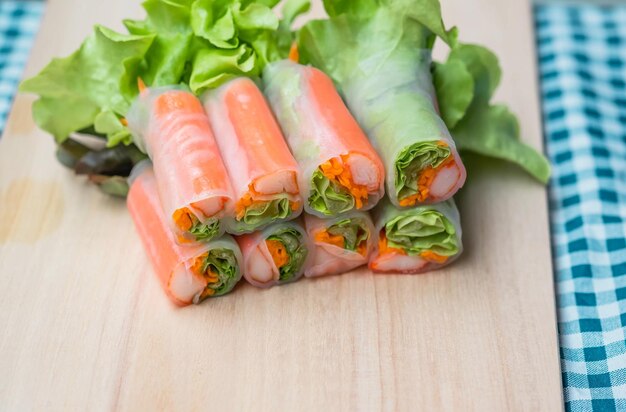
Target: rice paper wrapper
(181,145)
(316,133)
(431,228)
(333,260)
(259,267)
(396,106)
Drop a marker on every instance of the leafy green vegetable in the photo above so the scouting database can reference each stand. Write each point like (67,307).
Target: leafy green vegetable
(422,230)
(412,160)
(261,213)
(478,126)
(353,230)
(296,249)
(223,262)
(203,232)
(328,197)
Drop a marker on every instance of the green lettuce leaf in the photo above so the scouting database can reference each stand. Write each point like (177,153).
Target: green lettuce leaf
(412,160)
(353,230)
(476,125)
(223,262)
(262,213)
(328,197)
(425,230)
(296,249)
(203,232)
(75,90)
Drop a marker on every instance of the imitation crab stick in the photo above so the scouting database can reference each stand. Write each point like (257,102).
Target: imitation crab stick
(195,191)
(188,273)
(262,170)
(417,239)
(341,171)
(275,255)
(341,243)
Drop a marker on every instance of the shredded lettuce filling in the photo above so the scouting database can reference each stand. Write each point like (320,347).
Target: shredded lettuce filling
(296,249)
(261,213)
(329,197)
(423,231)
(354,232)
(205,231)
(222,262)
(412,160)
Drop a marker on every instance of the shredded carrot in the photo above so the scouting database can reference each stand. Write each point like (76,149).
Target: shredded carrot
(383,246)
(362,247)
(335,170)
(141,85)
(294,54)
(433,257)
(336,240)
(278,252)
(208,275)
(425,179)
(183,218)
(124,121)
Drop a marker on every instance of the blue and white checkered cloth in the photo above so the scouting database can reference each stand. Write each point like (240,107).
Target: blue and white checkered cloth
(19,22)
(582,61)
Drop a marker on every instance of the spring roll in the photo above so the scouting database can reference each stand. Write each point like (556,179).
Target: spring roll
(341,244)
(188,273)
(193,185)
(382,66)
(276,255)
(340,170)
(416,240)
(262,170)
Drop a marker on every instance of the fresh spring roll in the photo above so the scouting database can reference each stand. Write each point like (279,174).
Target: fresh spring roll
(188,273)
(275,255)
(340,170)
(381,63)
(172,127)
(416,240)
(262,170)
(341,244)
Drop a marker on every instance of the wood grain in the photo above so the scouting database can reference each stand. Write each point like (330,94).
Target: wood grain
(86,327)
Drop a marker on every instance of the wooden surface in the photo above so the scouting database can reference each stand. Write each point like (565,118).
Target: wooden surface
(85,325)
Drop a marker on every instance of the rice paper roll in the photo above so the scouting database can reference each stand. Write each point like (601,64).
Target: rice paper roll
(417,239)
(340,170)
(276,255)
(341,243)
(170,125)
(188,273)
(385,78)
(262,170)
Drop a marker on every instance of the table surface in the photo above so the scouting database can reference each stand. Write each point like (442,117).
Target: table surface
(85,324)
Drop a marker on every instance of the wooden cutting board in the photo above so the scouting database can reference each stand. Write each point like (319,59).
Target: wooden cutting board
(85,325)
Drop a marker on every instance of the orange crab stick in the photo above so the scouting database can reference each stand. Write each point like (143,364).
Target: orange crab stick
(187,273)
(262,170)
(341,171)
(172,127)
(341,243)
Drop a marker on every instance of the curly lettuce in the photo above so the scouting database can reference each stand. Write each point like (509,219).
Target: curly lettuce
(422,230)
(262,213)
(328,197)
(296,249)
(354,232)
(412,161)
(223,262)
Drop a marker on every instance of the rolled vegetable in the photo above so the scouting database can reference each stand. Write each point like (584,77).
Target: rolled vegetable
(188,273)
(382,65)
(195,192)
(340,170)
(262,170)
(276,255)
(341,244)
(416,240)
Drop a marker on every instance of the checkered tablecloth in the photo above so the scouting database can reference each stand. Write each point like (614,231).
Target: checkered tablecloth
(19,21)
(582,62)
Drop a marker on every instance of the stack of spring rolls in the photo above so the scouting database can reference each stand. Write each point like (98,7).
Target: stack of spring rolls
(231,173)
